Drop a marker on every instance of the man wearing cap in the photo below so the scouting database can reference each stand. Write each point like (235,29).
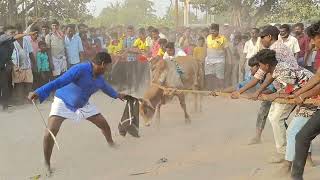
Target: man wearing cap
(278,113)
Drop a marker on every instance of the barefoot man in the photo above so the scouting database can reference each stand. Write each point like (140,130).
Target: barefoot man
(71,101)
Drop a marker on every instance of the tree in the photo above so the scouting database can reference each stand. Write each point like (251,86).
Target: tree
(14,11)
(248,13)
(294,11)
(130,12)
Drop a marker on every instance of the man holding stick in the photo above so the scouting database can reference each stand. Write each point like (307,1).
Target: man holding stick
(74,88)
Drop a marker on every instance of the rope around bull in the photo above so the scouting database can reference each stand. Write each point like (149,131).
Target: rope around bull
(172,91)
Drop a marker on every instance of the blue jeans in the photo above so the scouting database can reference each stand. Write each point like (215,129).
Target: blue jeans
(295,126)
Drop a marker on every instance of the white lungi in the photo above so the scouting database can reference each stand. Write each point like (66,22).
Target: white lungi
(59,65)
(58,108)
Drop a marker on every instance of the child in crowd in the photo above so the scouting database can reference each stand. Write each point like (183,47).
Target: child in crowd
(199,54)
(265,105)
(43,64)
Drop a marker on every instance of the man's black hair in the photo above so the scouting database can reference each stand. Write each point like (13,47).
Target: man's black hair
(272,31)
(71,26)
(170,45)
(102,57)
(301,25)
(286,27)
(142,31)
(163,41)
(214,27)
(155,30)
(314,30)
(256,29)
(41,43)
(267,56)
(253,61)
(150,28)
(45,26)
(55,22)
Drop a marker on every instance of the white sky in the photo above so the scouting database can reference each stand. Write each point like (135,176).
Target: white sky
(97,5)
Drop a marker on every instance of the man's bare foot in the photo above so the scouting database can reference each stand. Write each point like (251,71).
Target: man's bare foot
(147,124)
(285,169)
(310,162)
(277,158)
(254,140)
(48,171)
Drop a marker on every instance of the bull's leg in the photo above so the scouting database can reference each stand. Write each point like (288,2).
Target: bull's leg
(196,102)
(158,114)
(184,107)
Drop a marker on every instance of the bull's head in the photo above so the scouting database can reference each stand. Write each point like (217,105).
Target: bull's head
(146,111)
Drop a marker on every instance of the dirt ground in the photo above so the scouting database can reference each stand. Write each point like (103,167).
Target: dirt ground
(214,146)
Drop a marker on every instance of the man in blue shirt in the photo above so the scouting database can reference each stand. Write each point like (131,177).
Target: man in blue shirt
(73,90)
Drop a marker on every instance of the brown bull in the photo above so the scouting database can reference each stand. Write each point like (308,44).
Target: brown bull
(164,73)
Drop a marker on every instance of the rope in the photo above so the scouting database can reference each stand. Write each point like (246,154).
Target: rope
(172,91)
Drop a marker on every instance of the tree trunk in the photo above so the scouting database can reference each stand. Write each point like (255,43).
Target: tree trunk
(12,9)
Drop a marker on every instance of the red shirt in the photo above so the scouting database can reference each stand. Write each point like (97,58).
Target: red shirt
(304,44)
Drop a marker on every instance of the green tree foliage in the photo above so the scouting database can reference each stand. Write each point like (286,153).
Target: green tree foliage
(248,13)
(292,11)
(130,12)
(14,11)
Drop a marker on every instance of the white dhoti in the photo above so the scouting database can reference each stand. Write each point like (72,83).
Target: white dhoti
(58,108)
(59,65)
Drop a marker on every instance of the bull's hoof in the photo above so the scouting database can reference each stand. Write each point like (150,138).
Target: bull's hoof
(187,120)
(147,124)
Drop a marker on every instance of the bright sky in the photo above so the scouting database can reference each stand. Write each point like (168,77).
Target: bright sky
(97,5)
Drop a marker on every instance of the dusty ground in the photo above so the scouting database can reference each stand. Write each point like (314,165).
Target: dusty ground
(212,147)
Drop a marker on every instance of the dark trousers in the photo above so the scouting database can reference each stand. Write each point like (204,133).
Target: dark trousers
(131,72)
(303,140)
(263,114)
(4,88)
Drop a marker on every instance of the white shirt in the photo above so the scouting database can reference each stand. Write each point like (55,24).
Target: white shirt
(20,56)
(73,47)
(292,43)
(251,49)
(178,52)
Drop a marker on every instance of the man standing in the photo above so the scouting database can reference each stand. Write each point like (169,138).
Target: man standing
(24,66)
(218,54)
(7,39)
(304,41)
(74,89)
(56,50)
(251,47)
(131,64)
(73,46)
(289,40)
(155,43)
